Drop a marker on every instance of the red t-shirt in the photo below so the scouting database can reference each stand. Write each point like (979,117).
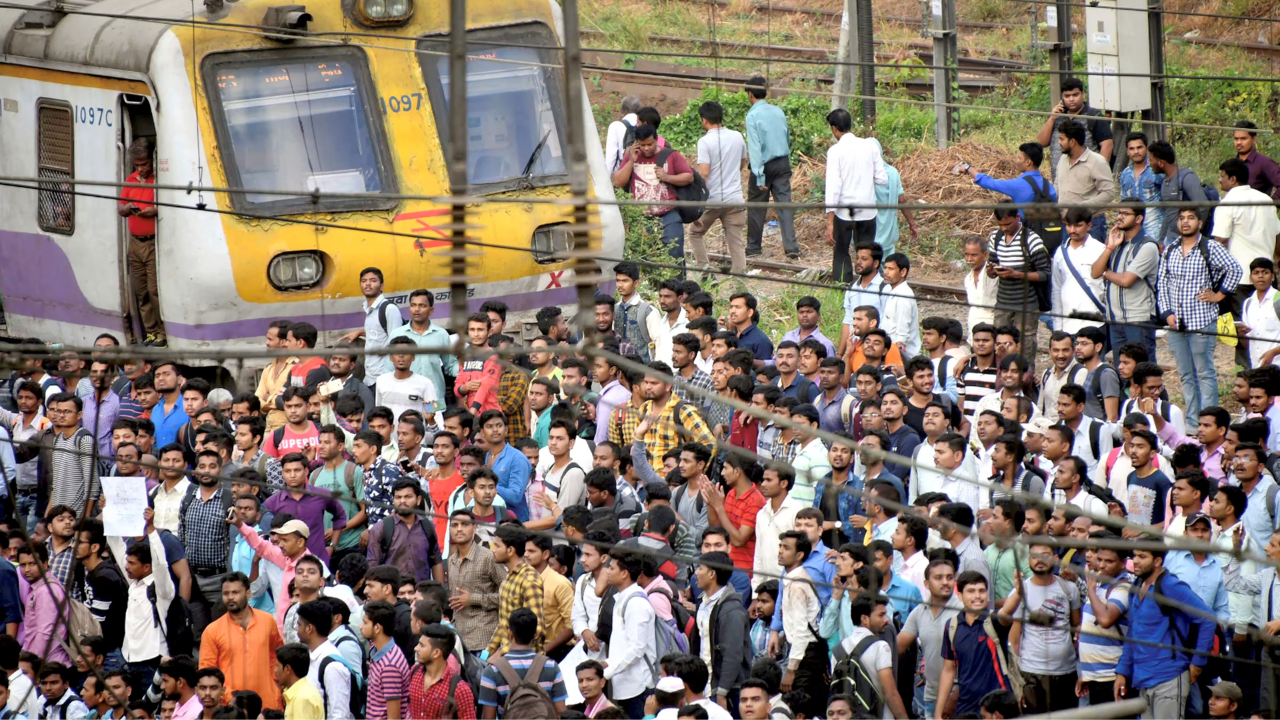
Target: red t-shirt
(646,186)
(742,510)
(143,198)
(441,489)
(292,441)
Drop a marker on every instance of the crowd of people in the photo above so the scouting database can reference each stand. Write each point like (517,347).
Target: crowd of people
(658,510)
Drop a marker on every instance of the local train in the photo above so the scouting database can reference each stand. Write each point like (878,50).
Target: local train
(358,105)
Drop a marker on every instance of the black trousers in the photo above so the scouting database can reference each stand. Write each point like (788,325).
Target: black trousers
(847,234)
(814,677)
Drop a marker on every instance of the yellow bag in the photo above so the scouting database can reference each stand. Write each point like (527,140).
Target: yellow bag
(1227,330)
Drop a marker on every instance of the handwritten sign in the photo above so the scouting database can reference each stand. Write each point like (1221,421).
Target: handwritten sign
(126,499)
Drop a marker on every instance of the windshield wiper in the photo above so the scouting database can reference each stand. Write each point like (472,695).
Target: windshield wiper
(528,167)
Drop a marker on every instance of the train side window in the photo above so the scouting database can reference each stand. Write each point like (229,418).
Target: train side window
(55,148)
(515,108)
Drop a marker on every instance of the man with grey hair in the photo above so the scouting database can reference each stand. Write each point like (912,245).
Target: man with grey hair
(621,133)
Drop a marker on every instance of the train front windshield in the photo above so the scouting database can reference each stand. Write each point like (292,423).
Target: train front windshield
(299,122)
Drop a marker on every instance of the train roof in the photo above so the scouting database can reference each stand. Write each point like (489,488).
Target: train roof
(96,37)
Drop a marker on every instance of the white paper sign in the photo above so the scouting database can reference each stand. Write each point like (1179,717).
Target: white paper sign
(937,8)
(126,499)
(1051,16)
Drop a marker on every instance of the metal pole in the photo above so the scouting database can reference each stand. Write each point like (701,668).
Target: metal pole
(458,254)
(845,55)
(946,58)
(1155,24)
(1122,709)
(582,236)
(1058,20)
(865,50)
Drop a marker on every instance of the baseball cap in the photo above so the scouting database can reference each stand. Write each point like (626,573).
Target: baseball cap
(1038,425)
(1228,690)
(293,526)
(671,684)
(1196,517)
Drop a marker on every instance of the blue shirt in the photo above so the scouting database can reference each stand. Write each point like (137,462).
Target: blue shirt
(431,366)
(1146,187)
(887,218)
(767,137)
(801,388)
(1018,190)
(1146,665)
(822,571)
(848,504)
(167,426)
(242,561)
(857,296)
(754,339)
(794,336)
(904,596)
(829,417)
(1206,579)
(513,469)
(976,662)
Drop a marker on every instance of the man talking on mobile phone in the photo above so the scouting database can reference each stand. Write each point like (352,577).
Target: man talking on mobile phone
(1074,108)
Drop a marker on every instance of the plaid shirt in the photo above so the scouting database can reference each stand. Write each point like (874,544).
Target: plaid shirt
(786,452)
(430,703)
(482,577)
(522,588)
(1182,276)
(60,563)
(378,481)
(623,423)
(203,532)
(668,432)
(699,380)
(512,388)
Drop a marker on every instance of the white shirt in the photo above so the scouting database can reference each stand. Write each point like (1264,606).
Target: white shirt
(142,637)
(613,141)
(913,569)
(800,612)
(704,363)
(724,150)
(980,293)
(925,477)
(375,337)
(1067,295)
(579,453)
(854,168)
(631,650)
(714,711)
(1250,230)
(662,344)
(1264,326)
(337,682)
(959,485)
(23,697)
(168,504)
(873,660)
(901,318)
(769,525)
(415,392)
(586,606)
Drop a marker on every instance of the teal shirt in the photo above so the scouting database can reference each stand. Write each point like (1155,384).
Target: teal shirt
(335,481)
(767,137)
(887,218)
(542,431)
(1002,562)
(432,367)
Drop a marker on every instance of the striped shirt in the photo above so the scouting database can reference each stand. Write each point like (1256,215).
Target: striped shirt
(1006,252)
(388,680)
(74,470)
(1100,648)
(494,688)
(976,383)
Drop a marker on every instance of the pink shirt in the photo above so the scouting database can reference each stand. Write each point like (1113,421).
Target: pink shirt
(275,556)
(189,710)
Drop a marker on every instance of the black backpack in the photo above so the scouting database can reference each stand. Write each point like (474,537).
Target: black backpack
(176,624)
(1043,297)
(850,678)
(1044,218)
(695,191)
(1211,196)
(356,699)
(628,135)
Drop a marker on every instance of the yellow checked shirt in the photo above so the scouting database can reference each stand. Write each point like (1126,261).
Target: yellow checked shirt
(668,431)
(522,588)
(512,388)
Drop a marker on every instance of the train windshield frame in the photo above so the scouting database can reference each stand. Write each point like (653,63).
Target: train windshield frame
(513,73)
(313,131)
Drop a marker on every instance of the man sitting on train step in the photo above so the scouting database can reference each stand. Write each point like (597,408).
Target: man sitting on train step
(138,204)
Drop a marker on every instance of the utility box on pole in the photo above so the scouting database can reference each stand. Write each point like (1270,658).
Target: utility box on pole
(1118,38)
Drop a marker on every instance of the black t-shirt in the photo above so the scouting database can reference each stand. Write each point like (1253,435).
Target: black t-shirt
(915,416)
(106,593)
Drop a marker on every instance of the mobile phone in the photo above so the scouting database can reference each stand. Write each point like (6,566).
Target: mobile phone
(231,513)
(331,387)
(404,464)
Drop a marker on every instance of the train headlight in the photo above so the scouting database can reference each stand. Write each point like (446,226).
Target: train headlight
(295,271)
(384,12)
(550,243)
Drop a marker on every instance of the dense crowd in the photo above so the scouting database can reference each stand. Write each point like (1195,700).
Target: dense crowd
(680,517)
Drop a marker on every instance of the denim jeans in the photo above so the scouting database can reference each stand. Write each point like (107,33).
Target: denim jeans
(1194,353)
(1124,334)
(26,505)
(1098,230)
(673,237)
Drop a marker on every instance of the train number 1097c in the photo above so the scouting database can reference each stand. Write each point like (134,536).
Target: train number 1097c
(86,115)
(402,103)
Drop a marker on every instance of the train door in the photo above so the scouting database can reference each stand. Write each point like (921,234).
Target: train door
(136,121)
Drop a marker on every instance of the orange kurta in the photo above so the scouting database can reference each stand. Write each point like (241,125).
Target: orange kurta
(247,656)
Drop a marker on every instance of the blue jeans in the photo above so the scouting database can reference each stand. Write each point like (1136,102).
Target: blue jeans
(1098,231)
(1124,334)
(1194,353)
(923,709)
(26,505)
(634,707)
(673,234)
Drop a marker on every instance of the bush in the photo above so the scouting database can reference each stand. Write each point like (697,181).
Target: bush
(806,119)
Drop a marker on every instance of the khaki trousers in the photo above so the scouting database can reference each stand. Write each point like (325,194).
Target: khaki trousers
(733,220)
(142,275)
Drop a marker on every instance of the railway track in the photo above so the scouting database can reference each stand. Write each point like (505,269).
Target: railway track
(925,290)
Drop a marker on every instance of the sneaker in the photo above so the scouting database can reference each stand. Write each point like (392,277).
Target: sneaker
(1161,332)
(754,253)
(793,257)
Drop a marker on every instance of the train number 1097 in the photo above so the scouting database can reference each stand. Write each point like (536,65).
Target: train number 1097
(86,115)
(402,103)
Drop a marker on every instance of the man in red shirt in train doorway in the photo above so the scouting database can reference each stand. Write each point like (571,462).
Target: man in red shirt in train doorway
(138,204)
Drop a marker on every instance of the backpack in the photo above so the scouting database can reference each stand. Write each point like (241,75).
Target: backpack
(364,656)
(525,697)
(664,640)
(1211,195)
(695,191)
(1012,669)
(556,488)
(389,533)
(356,698)
(1043,217)
(699,503)
(1095,388)
(1227,305)
(850,678)
(80,620)
(685,623)
(628,138)
(176,624)
(1271,503)
(348,476)
(1042,290)
(382,314)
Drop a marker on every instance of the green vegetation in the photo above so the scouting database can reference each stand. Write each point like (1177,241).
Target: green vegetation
(806,116)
